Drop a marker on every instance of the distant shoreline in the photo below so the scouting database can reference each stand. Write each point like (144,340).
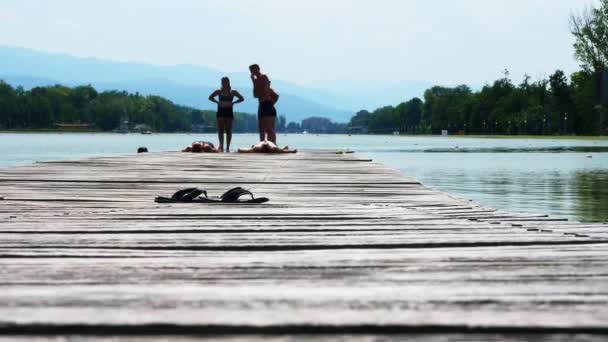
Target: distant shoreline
(499,136)
(470,136)
(50,130)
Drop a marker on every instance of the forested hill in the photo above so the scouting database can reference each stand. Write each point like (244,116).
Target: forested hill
(45,107)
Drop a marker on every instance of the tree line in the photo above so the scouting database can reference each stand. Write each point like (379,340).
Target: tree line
(548,106)
(46,107)
(554,105)
(316,124)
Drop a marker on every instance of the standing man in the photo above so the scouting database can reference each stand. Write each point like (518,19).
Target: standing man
(267,97)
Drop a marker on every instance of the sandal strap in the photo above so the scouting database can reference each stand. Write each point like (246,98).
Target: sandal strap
(234,194)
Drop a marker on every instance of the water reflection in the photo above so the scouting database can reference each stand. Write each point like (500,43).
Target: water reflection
(567,185)
(592,194)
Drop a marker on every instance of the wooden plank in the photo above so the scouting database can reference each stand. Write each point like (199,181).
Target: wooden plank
(345,247)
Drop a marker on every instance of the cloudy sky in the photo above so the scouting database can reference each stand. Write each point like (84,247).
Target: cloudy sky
(441,41)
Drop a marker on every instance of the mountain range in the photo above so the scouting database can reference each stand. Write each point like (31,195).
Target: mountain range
(190,85)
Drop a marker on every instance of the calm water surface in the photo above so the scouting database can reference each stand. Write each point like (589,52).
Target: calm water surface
(564,178)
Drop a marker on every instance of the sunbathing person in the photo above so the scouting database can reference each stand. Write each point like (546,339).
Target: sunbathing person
(201,147)
(266,147)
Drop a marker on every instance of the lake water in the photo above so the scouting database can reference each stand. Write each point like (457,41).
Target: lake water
(561,177)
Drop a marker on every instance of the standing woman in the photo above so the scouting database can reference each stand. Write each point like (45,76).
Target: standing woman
(225,112)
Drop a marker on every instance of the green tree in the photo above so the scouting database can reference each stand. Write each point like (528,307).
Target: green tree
(281,122)
(8,106)
(361,119)
(447,108)
(590,30)
(408,115)
(586,113)
(382,120)
(293,127)
(562,103)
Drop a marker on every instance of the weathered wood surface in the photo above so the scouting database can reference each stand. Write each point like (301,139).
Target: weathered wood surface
(345,246)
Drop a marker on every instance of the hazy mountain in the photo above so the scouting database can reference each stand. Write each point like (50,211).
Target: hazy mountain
(190,84)
(293,107)
(27,82)
(373,94)
(62,67)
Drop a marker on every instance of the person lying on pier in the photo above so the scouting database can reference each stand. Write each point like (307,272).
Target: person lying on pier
(201,147)
(266,147)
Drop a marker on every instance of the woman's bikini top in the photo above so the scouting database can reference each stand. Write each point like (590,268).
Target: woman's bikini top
(226,98)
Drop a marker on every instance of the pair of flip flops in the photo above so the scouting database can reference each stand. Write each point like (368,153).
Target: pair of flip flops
(196,195)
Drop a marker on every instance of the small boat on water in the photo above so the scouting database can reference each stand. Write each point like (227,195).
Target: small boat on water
(146,132)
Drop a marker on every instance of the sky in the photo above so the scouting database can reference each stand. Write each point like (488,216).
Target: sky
(440,41)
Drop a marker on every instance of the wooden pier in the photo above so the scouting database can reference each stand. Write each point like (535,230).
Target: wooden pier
(345,249)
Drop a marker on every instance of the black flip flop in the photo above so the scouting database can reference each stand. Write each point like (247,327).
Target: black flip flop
(234,196)
(182,196)
(193,195)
